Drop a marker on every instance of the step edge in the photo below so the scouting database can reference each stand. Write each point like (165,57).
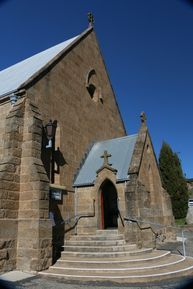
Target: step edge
(98,247)
(117,261)
(120,277)
(98,241)
(108,253)
(97,235)
(120,269)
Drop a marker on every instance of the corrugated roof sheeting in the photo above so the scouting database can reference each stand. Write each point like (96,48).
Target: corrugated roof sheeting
(121,150)
(14,76)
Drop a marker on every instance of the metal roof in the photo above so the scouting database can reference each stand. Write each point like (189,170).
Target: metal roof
(14,76)
(121,150)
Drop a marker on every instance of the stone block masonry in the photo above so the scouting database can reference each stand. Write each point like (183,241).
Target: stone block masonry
(61,95)
(34,228)
(10,185)
(25,231)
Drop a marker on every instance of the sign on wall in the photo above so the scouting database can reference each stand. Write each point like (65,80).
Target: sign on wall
(56,194)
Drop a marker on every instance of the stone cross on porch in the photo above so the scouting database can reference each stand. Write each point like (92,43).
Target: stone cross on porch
(106,156)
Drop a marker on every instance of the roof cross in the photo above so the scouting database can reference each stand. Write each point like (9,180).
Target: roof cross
(143,117)
(106,156)
(90,19)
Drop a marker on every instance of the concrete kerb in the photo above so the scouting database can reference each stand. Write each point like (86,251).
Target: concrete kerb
(15,276)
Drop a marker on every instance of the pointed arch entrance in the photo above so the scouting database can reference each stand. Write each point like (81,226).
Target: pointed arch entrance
(108,205)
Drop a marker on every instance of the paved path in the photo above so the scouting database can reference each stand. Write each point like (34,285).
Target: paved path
(50,283)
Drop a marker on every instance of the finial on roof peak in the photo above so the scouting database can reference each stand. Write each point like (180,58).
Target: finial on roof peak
(143,117)
(90,19)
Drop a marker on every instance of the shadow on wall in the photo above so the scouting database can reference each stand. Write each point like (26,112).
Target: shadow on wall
(59,160)
(7,285)
(52,158)
(58,228)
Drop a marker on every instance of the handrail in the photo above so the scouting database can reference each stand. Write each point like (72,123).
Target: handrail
(119,213)
(121,218)
(76,219)
(157,235)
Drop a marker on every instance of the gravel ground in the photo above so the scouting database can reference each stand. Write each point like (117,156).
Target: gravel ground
(50,283)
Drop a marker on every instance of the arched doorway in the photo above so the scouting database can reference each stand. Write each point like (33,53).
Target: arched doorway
(109,207)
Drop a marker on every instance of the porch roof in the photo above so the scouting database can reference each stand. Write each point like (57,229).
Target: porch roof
(121,150)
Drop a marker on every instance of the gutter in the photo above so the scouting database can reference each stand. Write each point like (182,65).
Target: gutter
(13,96)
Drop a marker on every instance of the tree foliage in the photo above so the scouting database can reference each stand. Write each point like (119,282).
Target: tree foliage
(173,180)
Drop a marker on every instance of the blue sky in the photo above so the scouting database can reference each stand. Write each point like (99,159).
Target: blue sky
(147,46)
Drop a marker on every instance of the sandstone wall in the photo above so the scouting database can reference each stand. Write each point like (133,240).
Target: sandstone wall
(146,200)
(160,210)
(34,241)
(25,230)
(62,95)
(149,177)
(86,195)
(4,110)
(11,142)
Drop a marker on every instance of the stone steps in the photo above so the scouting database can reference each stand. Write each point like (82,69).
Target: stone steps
(95,242)
(102,254)
(112,268)
(154,255)
(97,237)
(107,232)
(83,248)
(103,257)
(118,263)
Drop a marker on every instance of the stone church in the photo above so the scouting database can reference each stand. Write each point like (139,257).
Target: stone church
(67,165)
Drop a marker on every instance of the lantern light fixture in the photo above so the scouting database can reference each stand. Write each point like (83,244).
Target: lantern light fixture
(50,130)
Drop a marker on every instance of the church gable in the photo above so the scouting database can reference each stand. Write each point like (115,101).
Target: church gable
(149,172)
(62,95)
(144,163)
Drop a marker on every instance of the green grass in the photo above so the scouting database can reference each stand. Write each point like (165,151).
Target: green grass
(180,222)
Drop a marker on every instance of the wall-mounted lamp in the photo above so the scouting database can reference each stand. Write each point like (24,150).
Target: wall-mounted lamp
(13,98)
(50,130)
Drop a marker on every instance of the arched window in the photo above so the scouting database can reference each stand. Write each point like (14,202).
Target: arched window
(91,89)
(92,85)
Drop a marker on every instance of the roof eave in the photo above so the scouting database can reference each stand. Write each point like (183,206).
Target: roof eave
(60,54)
(123,180)
(6,96)
(83,185)
(119,180)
